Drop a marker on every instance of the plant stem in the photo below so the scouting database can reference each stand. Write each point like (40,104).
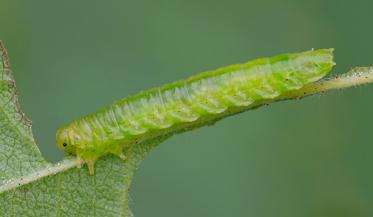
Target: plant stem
(357,76)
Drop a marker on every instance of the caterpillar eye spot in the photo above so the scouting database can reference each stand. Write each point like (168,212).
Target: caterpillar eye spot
(64,144)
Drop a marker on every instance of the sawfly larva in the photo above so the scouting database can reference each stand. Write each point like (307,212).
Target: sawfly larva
(196,101)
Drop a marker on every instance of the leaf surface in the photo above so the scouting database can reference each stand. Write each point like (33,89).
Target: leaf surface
(72,192)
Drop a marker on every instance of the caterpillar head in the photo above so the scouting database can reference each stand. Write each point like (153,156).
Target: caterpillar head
(65,141)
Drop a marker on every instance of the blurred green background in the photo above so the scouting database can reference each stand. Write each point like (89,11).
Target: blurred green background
(298,158)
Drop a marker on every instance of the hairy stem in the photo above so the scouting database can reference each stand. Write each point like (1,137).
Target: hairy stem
(357,76)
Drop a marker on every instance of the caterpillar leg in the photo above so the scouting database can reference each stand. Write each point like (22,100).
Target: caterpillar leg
(91,166)
(118,151)
(79,162)
(122,156)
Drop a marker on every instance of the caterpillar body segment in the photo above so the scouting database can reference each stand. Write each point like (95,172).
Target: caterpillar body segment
(194,102)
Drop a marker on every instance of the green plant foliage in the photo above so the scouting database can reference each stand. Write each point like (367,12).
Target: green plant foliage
(69,193)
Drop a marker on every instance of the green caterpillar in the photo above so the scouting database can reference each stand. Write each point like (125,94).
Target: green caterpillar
(196,101)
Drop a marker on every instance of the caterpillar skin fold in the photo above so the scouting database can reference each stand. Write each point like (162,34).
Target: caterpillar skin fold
(196,101)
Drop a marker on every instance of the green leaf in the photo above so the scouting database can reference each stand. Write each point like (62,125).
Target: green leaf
(30,186)
(18,153)
(26,190)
